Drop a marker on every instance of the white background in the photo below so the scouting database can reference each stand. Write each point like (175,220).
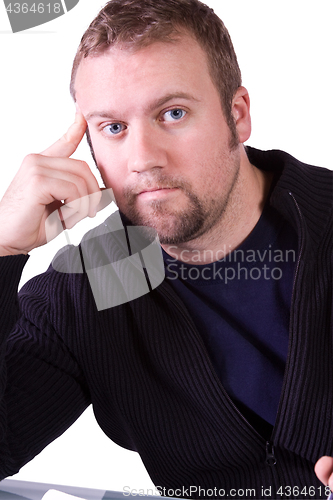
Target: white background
(285,53)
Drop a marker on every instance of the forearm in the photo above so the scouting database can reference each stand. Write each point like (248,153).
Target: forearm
(11,268)
(42,389)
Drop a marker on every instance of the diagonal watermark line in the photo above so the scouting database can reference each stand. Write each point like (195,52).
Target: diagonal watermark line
(64,6)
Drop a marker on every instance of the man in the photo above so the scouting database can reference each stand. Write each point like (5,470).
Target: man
(215,398)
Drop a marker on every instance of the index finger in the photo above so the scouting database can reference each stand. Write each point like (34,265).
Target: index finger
(68,143)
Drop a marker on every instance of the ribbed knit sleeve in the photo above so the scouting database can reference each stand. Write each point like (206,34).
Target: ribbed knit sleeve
(42,388)
(11,268)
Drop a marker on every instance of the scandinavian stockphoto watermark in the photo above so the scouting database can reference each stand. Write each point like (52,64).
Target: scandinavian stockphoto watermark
(27,14)
(226,265)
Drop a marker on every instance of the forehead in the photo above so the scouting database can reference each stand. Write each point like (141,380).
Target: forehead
(120,72)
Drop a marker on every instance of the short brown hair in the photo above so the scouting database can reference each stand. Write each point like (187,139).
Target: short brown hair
(138,23)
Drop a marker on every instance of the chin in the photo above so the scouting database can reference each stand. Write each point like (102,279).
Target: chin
(173,229)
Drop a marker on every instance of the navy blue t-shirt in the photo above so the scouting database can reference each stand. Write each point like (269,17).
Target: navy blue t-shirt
(241,306)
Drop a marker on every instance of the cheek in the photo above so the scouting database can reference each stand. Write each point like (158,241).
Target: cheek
(111,175)
(190,151)
(109,162)
(198,153)
(208,136)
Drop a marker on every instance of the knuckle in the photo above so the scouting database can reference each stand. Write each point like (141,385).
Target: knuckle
(82,186)
(37,180)
(35,171)
(74,189)
(30,160)
(82,165)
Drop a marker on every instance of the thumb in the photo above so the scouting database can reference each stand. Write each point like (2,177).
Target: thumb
(68,143)
(324,470)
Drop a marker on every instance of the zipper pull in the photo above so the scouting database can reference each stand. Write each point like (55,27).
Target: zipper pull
(270,457)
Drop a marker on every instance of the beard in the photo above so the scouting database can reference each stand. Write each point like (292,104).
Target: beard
(173,225)
(197,215)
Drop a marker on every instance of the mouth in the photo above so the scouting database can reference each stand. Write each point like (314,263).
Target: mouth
(155,192)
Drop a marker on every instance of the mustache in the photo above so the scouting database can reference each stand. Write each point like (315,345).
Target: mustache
(156,182)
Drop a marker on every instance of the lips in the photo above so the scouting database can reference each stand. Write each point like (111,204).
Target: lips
(155,188)
(156,192)
(149,190)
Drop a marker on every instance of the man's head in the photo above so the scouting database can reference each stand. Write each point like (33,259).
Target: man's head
(156,116)
(137,23)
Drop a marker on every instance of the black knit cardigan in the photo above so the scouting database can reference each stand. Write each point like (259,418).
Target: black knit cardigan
(144,368)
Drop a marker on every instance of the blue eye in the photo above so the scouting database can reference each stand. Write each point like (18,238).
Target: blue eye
(174,115)
(113,128)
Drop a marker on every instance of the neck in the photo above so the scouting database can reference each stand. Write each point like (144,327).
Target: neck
(244,209)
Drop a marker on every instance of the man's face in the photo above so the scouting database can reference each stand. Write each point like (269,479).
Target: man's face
(160,138)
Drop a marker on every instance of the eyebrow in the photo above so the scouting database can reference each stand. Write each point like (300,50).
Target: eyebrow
(176,95)
(154,105)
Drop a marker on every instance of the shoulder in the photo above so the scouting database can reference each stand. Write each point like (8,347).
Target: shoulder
(308,183)
(300,187)
(283,163)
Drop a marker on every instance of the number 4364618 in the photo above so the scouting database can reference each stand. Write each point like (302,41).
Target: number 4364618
(35,8)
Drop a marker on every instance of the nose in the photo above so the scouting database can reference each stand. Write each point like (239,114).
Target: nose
(146,150)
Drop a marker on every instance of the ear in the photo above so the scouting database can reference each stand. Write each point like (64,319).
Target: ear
(241,113)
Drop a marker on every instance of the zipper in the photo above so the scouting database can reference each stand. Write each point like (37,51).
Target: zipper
(301,250)
(269,447)
(270,456)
